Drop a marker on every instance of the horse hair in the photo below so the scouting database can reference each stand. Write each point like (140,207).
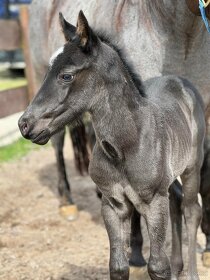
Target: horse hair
(136,79)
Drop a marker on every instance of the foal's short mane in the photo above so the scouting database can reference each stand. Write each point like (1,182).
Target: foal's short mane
(129,67)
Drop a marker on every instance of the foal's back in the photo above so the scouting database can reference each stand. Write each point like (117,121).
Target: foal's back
(183,111)
(170,90)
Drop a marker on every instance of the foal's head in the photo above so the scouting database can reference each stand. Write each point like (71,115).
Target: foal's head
(77,72)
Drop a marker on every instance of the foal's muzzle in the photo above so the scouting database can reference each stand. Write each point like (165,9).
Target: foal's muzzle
(36,131)
(25,127)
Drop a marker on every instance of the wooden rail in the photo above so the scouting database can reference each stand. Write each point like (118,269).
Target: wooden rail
(10,35)
(13,101)
(14,34)
(29,70)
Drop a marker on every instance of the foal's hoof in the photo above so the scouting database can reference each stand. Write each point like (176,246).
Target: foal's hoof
(69,212)
(206,258)
(139,273)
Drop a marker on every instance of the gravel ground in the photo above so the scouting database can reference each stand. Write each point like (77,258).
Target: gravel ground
(36,243)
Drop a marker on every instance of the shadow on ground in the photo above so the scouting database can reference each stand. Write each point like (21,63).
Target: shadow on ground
(74,272)
(82,187)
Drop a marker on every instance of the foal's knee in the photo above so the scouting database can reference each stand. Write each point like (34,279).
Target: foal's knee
(119,272)
(193,213)
(119,267)
(176,266)
(159,269)
(198,213)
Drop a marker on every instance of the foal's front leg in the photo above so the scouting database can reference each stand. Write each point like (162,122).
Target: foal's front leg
(117,221)
(156,214)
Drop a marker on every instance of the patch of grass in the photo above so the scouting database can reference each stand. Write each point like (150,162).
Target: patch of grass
(16,150)
(12,83)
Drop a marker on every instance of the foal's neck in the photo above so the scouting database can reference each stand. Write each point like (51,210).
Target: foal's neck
(118,108)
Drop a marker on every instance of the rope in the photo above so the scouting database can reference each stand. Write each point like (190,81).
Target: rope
(205,4)
(202,6)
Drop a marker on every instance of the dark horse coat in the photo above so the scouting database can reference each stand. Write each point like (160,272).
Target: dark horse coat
(161,37)
(145,139)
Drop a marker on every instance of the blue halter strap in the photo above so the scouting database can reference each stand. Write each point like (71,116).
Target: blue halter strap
(202,6)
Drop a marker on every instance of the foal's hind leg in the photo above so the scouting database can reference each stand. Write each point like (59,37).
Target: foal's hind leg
(175,191)
(205,194)
(137,262)
(192,213)
(67,207)
(136,258)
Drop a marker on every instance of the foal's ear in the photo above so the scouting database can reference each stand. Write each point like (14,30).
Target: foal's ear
(68,29)
(85,33)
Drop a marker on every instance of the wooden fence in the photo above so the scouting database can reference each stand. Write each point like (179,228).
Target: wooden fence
(14,34)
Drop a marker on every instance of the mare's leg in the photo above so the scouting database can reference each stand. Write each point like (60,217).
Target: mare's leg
(136,258)
(175,191)
(156,214)
(63,184)
(192,213)
(117,221)
(205,194)
(91,138)
(67,207)
(79,142)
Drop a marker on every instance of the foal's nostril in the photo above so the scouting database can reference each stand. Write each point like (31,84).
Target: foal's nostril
(24,128)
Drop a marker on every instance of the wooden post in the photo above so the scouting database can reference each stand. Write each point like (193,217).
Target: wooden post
(10,35)
(13,101)
(29,70)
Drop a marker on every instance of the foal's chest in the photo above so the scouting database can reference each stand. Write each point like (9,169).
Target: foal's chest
(134,177)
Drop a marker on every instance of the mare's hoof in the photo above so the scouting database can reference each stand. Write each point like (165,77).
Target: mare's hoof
(206,258)
(69,212)
(139,273)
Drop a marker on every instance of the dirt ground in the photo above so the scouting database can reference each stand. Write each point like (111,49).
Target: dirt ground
(36,243)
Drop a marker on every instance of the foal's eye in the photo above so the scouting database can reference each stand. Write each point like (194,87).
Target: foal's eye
(66,77)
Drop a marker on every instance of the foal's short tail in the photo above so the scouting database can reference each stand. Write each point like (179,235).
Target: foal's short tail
(83,140)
